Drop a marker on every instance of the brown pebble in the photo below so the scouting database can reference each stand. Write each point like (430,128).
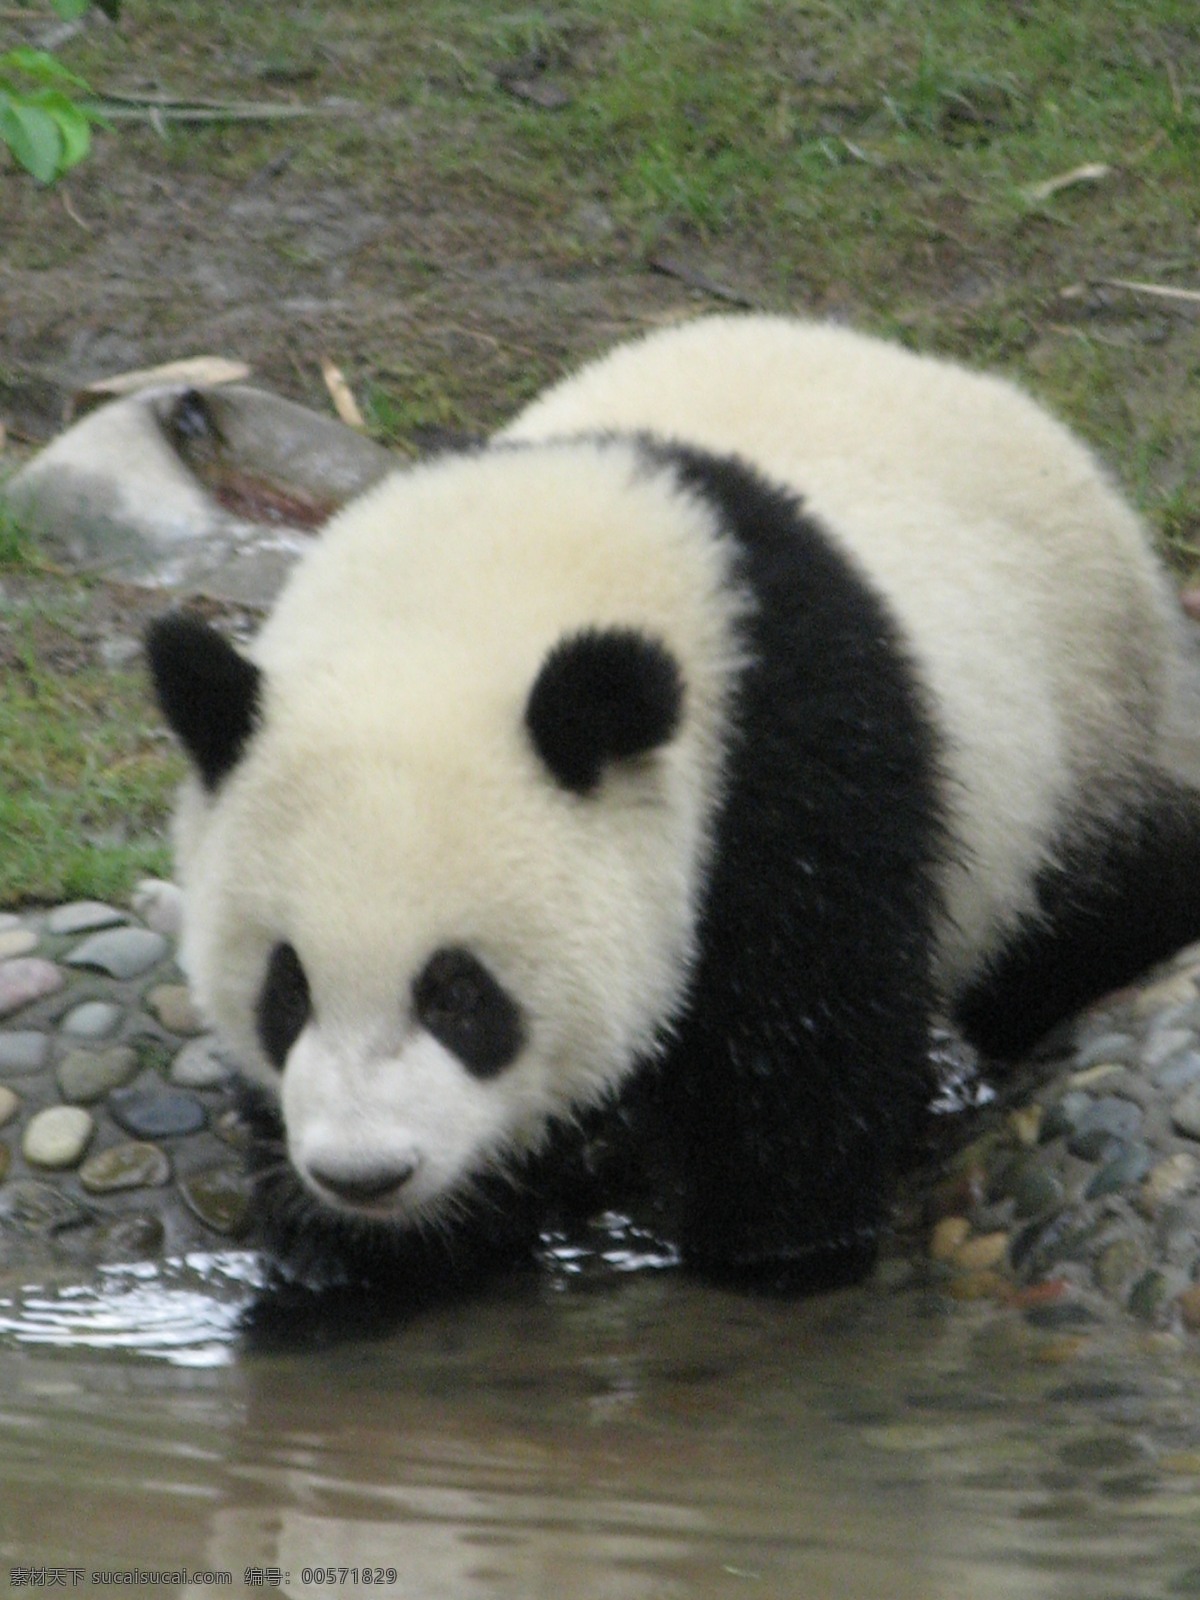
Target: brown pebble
(981,1254)
(979,1285)
(1026,1124)
(1046,1293)
(948,1237)
(172,1004)
(10,1104)
(1059,1350)
(1166,1181)
(1189,1308)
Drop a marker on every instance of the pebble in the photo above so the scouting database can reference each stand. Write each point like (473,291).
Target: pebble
(94,1019)
(1166,1181)
(121,952)
(947,1237)
(85,1076)
(1103,1124)
(10,1104)
(219,1196)
(1130,1165)
(172,1005)
(1189,1308)
(1166,1042)
(57,1136)
(199,1065)
(132,1165)
(1177,990)
(1178,1071)
(22,1053)
(1063,1116)
(982,1253)
(83,916)
(154,1113)
(17,942)
(1185,1113)
(25,979)
(31,1205)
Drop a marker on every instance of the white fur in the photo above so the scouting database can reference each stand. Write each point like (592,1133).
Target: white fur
(392,802)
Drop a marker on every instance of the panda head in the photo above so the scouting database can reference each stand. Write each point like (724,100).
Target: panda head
(442,844)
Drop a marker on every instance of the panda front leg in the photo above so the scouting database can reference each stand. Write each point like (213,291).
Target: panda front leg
(796,1099)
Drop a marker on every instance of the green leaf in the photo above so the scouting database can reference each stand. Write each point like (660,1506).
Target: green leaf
(39,65)
(34,137)
(72,125)
(69,10)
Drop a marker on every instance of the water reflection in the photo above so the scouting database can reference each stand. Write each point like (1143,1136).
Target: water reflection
(636,1439)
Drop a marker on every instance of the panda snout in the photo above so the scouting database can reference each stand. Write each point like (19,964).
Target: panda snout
(370,1183)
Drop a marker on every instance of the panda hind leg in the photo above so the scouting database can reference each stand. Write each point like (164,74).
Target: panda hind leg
(1111,907)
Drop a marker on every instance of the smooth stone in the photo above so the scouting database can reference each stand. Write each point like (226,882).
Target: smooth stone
(132,1165)
(1167,1181)
(22,1053)
(87,1075)
(121,952)
(1104,1122)
(132,1237)
(1149,1296)
(1189,1310)
(172,1004)
(17,942)
(94,1019)
(25,979)
(31,1206)
(1179,1071)
(1129,1166)
(9,920)
(219,1196)
(1117,1264)
(1037,1191)
(83,916)
(199,1065)
(156,1113)
(1185,1113)
(57,1136)
(10,1104)
(1163,1044)
(1104,1048)
(1063,1116)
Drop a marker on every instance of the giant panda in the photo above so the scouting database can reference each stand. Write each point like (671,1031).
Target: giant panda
(762,695)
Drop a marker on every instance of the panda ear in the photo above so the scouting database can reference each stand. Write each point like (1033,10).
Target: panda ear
(208,692)
(602,695)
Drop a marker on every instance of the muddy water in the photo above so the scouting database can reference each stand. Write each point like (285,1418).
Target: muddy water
(636,1438)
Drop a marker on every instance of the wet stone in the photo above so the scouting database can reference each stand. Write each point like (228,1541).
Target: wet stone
(85,1076)
(94,1019)
(1117,1264)
(30,1206)
(1063,1116)
(1163,1043)
(133,1237)
(25,979)
(22,1053)
(172,1004)
(1179,1071)
(1037,1191)
(1119,1047)
(10,1104)
(1103,1452)
(1105,1122)
(83,916)
(156,1113)
(121,952)
(1149,1296)
(220,1197)
(17,942)
(1130,1165)
(57,1137)
(1185,1113)
(132,1165)
(199,1065)
(1167,1181)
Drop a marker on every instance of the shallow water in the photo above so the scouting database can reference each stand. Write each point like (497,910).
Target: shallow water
(632,1438)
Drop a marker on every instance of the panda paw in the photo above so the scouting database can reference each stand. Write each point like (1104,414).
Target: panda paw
(160,906)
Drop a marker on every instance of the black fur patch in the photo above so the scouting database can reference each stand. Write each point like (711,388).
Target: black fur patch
(798,1078)
(1109,909)
(207,690)
(602,695)
(284,1004)
(468,1011)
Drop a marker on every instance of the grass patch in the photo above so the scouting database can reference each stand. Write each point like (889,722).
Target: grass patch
(874,159)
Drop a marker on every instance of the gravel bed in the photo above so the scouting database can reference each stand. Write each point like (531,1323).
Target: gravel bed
(1072,1196)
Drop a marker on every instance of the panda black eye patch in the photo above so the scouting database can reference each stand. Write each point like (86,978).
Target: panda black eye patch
(465,1009)
(284,1004)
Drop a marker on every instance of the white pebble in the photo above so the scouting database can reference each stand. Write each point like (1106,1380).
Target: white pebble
(57,1137)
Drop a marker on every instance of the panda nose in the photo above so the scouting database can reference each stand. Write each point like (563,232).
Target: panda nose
(363,1183)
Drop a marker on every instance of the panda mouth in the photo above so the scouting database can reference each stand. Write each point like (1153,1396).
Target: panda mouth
(374,1189)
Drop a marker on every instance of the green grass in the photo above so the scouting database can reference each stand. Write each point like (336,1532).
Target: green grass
(872,158)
